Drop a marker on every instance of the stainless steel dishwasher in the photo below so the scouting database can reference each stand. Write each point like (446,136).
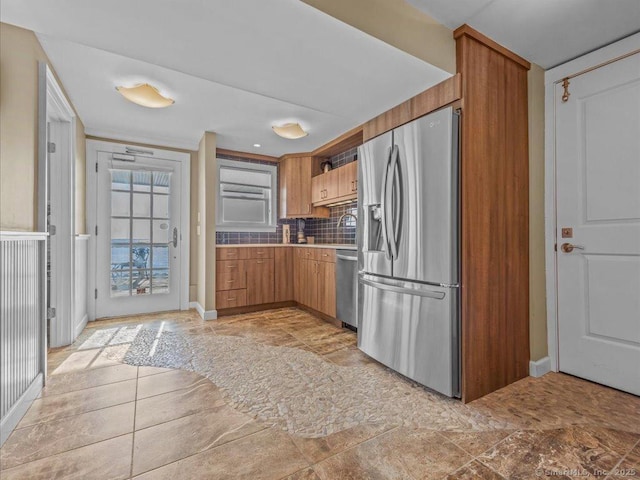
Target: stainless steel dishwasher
(347,288)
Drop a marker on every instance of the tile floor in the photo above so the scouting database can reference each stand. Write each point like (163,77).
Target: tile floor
(100,418)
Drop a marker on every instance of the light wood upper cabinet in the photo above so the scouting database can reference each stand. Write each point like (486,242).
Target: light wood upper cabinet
(317,189)
(324,187)
(337,185)
(348,180)
(296,175)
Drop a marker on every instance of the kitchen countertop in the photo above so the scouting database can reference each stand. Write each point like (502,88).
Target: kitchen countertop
(337,246)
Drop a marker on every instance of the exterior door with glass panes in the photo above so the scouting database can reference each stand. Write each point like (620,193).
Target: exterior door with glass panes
(138,241)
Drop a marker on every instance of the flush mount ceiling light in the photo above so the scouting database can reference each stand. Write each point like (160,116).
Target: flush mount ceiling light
(290,131)
(145,95)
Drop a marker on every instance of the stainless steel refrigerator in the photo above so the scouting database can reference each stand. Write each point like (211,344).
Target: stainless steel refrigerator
(408,259)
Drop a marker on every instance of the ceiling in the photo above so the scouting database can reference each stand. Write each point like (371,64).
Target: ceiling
(546,32)
(233,67)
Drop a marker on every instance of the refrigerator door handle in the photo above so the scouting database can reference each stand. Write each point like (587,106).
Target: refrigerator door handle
(406,291)
(387,195)
(383,206)
(395,205)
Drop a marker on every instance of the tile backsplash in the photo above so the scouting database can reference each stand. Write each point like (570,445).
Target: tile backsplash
(325,230)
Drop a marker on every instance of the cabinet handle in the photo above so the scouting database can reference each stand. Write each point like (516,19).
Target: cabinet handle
(260,261)
(231,266)
(231,299)
(230,281)
(308,208)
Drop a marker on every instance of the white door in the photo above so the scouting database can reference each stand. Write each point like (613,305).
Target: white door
(138,245)
(598,198)
(61,228)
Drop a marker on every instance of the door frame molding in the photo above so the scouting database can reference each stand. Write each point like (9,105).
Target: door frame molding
(54,106)
(553,77)
(184,158)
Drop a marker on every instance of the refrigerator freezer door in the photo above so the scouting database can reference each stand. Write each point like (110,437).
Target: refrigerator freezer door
(411,328)
(427,176)
(373,161)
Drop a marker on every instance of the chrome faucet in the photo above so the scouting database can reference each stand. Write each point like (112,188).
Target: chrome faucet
(346,215)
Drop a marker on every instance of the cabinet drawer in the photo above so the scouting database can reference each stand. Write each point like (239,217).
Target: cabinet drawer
(227,253)
(231,298)
(260,252)
(325,255)
(231,275)
(304,253)
(230,270)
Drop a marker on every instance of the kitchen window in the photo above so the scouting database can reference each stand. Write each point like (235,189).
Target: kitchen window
(247,197)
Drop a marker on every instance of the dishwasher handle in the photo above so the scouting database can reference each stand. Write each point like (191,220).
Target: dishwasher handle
(345,257)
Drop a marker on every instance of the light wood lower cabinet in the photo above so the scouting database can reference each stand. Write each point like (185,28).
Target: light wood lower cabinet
(260,276)
(326,275)
(284,274)
(230,275)
(315,279)
(231,298)
(269,275)
(253,276)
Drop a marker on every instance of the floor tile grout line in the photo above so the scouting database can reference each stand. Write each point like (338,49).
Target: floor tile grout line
(474,459)
(477,457)
(478,431)
(85,369)
(53,395)
(622,459)
(178,389)
(202,451)
(135,412)
(351,447)
(50,395)
(66,451)
(204,409)
(74,414)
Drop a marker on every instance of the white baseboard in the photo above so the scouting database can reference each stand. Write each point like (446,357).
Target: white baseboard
(205,314)
(17,411)
(80,326)
(540,367)
(193,305)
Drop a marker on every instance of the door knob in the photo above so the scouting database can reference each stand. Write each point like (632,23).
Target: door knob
(568,247)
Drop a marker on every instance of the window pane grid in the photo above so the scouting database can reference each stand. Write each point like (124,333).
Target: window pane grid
(139,266)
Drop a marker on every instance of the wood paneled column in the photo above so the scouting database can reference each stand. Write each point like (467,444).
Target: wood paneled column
(495,214)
